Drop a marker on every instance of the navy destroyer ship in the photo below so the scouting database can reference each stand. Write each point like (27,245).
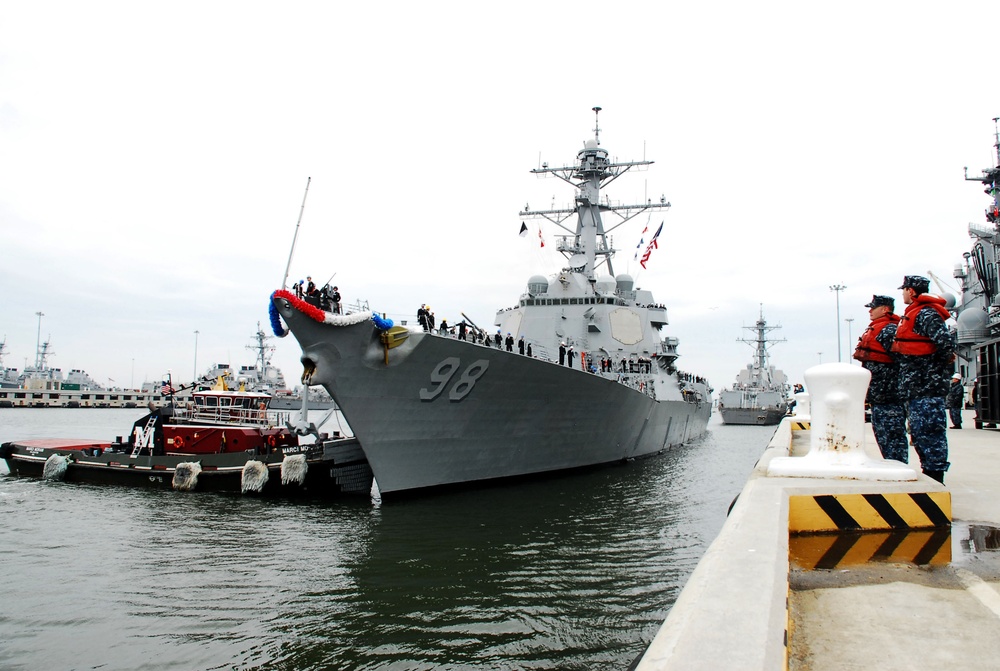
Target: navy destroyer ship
(977,308)
(760,393)
(597,382)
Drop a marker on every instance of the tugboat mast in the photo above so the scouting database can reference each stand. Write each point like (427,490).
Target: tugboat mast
(587,247)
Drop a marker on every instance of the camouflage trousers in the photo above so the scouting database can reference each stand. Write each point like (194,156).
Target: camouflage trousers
(928,425)
(889,425)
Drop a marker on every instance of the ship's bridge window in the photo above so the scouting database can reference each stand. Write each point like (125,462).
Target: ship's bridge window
(572,301)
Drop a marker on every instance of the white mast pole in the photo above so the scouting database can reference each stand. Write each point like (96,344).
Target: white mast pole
(284,282)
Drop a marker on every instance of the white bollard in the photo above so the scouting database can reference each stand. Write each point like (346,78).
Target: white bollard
(801,411)
(837,431)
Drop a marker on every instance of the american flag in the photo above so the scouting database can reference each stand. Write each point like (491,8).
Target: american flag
(167,389)
(651,246)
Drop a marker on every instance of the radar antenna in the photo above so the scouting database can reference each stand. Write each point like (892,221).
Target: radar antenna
(597,127)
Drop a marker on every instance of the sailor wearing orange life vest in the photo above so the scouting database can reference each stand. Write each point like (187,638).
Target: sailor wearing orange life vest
(888,413)
(925,349)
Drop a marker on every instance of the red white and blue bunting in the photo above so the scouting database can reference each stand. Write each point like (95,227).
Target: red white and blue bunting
(319,315)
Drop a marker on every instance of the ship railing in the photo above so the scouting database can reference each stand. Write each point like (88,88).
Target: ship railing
(224,415)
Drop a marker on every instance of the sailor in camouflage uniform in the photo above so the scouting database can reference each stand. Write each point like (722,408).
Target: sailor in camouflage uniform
(888,413)
(925,349)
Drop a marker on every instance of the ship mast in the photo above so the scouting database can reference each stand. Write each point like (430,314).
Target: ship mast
(761,342)
(587,247)
(983,254)
(263,350)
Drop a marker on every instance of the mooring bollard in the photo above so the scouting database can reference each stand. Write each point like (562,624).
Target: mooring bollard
(837,430)
(801,406)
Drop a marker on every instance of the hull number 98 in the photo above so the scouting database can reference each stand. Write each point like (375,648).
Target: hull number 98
(445,371)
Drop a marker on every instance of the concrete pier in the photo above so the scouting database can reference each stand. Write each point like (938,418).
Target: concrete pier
(910,581)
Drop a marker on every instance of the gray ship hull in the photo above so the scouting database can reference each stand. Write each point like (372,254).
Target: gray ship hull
(757,416)
(444,411)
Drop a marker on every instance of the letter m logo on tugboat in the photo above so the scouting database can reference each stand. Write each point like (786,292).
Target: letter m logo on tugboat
(144,437)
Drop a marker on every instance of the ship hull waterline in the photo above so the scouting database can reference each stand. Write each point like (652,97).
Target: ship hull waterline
(752,416)
(446,412)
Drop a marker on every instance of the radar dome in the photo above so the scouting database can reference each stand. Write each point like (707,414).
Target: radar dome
(605,284)
(625,282)
(590,144)
(537,285)
(973,325)
(949,300)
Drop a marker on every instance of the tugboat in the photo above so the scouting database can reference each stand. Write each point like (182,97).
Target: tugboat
(596,383)
(760,394)
(221,441)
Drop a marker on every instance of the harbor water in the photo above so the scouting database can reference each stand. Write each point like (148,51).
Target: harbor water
(571,572)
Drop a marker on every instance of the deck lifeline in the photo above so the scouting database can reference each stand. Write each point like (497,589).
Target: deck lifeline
(746,607)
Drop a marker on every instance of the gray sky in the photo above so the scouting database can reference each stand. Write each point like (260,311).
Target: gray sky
(153,159)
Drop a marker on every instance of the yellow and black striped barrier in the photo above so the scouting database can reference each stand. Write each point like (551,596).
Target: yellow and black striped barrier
(868,512)
(800,425)
(831,551)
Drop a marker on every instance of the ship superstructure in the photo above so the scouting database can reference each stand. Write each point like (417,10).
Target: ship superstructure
(978,307)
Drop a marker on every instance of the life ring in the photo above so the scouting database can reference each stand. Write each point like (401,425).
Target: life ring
(272,441)
(179,442)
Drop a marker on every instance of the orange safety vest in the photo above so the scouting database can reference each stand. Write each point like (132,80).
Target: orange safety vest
(869,348)
(913,344)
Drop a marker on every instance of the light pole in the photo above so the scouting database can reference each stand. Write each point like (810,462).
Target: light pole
(849,320)
(195,377)
(820,356)
(838,288)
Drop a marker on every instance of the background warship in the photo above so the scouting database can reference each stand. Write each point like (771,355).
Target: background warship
(760,394)
(978,308)
(432,410)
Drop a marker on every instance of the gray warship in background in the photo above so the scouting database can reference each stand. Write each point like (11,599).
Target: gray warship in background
(760,394)
(433,410)
(978,308)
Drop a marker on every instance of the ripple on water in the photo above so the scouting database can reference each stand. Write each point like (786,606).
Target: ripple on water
(575,572)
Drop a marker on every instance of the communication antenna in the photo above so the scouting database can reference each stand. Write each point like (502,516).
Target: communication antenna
(597,128)
(284,282)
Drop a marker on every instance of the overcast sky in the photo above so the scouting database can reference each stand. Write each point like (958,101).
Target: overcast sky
(153,159)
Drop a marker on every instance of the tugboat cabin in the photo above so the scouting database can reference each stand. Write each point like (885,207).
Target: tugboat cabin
(213,422)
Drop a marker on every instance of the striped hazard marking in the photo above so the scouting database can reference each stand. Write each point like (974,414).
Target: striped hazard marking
(800,426)
(830,551)
(862,512)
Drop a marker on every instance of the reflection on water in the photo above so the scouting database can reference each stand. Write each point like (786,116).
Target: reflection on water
(977,538)
(575,572)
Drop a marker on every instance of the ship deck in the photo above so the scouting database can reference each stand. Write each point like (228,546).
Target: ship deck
(763,598)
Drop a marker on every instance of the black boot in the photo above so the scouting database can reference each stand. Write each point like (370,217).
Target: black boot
(935,475)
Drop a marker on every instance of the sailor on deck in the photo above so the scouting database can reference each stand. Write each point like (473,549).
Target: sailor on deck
(888,413)
(925,349)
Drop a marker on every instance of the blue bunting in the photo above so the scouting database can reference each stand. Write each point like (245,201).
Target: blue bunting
(380,323)
(275,319)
